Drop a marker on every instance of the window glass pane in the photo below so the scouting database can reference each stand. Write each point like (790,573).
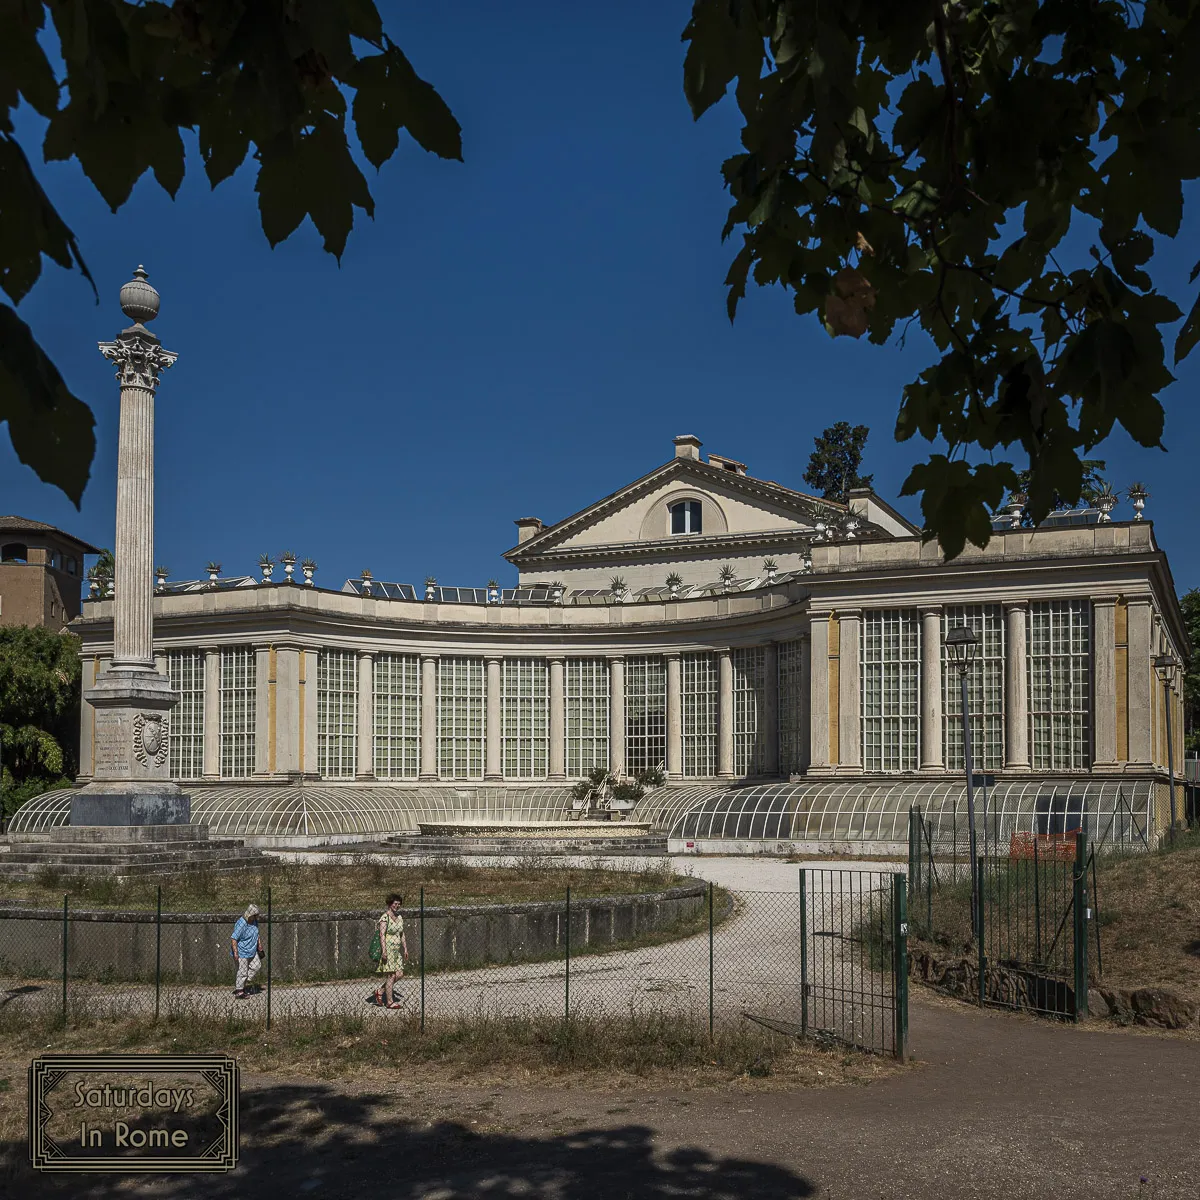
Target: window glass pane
(679,518)
(749,733)
(698,714)
(694,514)
(185,669)
(397,717)
(461,716)
(793,735)
(985,688)
(1060,685)
(525,718)
(238,693)
(585,719)
(891,678)
(337,714)
(645,713)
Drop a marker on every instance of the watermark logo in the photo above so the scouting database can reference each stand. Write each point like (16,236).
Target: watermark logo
(133,1112)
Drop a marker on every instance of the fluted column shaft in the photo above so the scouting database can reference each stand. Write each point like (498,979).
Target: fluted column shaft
(616,715)
(1016,686)
(429,684)
(674,718)
(365,767)
(558,745)
(491,760)
(134,544)
(724,713)
(931,689)
(212,713)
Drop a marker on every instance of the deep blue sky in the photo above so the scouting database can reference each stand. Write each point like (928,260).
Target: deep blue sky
(519,334)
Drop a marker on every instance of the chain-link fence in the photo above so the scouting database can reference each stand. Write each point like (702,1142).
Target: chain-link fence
(699,953)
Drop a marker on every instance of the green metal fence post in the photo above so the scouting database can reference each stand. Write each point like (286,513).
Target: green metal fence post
(158,953)
(270,956)
(66,910)
(912,853)
(981,934)
(567,991)
(421,932)
(900,963)
(1082,914)
(710,961)
(803,955)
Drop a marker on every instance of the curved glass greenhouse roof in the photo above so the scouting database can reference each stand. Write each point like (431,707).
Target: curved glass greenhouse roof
(331,810)
(878,811)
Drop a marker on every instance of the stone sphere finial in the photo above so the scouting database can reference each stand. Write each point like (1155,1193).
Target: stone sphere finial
(139,301)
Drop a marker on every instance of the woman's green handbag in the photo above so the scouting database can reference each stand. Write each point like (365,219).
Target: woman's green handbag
(375,953)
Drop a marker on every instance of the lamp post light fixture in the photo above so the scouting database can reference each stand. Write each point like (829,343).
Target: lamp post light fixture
(1165,665)
(962,646)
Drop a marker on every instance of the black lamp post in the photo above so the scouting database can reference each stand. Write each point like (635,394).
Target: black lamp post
(962,648)
(1165,665)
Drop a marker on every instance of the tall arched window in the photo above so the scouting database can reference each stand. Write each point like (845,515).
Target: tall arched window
(685,517)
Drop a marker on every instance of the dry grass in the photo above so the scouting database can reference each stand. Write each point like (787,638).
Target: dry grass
(633,1050)
(360,883)
(1149,912)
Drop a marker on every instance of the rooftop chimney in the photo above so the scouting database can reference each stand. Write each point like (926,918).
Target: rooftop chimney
(687,445)
(727,464)
(527,527)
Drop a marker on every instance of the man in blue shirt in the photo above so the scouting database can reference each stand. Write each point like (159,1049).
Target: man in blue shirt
(244,948)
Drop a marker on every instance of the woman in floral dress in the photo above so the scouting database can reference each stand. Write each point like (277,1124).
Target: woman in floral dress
(394,950)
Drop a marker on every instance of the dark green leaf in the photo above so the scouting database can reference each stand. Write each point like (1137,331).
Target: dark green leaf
(29,226)
(390,97)
(51,430)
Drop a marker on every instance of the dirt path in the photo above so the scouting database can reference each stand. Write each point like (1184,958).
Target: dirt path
(1003,1105)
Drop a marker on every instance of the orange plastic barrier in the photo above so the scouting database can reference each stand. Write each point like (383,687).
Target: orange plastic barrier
(1051,847)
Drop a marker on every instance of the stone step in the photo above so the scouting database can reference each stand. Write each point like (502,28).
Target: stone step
(523,847)
(110,852)
(26,873)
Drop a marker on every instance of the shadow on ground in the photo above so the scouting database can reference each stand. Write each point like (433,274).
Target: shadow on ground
(312,1141)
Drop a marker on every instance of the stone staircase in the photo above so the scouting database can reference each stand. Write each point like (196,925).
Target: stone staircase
(121,851)
(516,846)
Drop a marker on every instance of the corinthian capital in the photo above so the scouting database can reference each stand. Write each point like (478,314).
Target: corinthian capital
(139,356)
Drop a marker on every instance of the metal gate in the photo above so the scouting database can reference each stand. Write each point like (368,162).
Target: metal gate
(854,958)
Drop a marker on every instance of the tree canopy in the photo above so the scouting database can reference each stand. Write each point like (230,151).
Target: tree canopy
(833,465)
(1190,603)
(270,79)
(39,712)
(997,174)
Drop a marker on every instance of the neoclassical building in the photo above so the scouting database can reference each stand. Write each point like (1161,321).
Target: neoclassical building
(781,657)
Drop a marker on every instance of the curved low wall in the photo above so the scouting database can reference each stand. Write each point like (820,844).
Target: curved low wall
(120,947)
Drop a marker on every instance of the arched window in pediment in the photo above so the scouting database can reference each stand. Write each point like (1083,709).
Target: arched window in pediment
(685,517)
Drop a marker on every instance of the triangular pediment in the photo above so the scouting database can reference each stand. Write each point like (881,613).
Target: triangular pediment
(732,506)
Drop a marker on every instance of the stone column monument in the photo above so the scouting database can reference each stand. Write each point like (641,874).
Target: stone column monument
(131,784)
